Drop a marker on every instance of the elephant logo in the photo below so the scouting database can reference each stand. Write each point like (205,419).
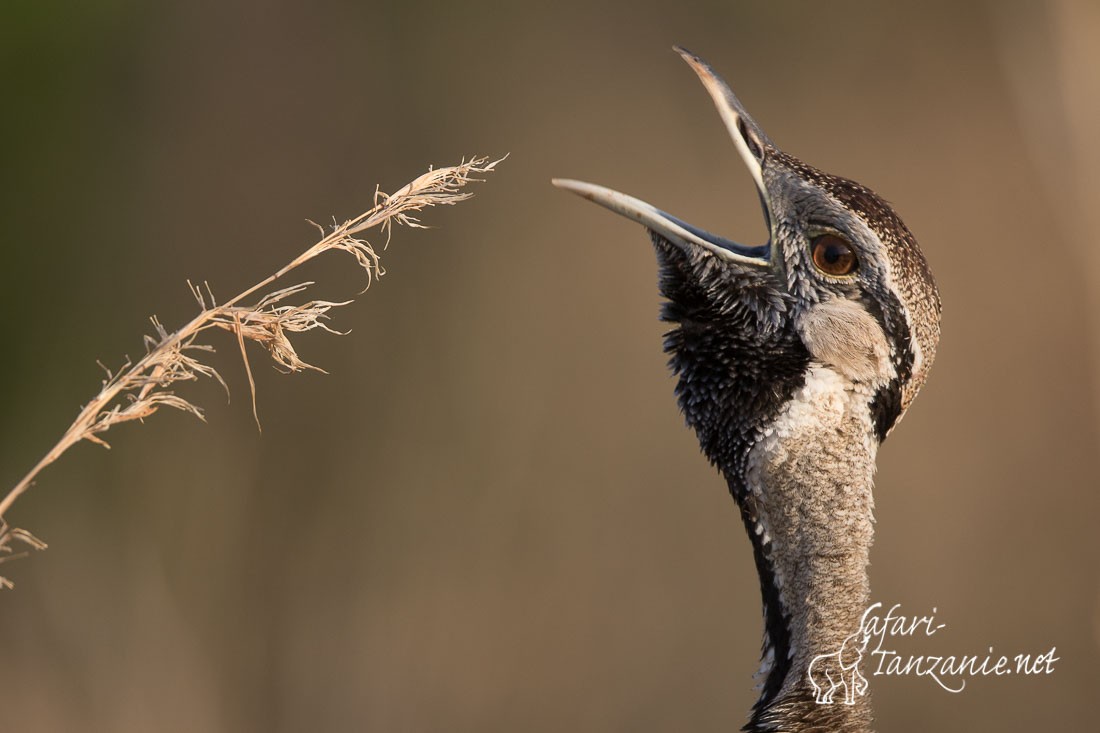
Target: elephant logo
(829,673)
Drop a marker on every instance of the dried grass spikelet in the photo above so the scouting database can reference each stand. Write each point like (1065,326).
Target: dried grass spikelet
(137,390)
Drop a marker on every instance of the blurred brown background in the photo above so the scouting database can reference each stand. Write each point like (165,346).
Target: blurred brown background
(489,516)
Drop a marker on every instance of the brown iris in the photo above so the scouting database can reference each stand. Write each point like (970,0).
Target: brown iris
(833,256)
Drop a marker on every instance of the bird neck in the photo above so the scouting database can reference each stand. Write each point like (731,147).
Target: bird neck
(797,444)
(806,498)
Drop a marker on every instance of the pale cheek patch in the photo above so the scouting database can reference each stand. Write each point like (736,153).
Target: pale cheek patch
(842,335)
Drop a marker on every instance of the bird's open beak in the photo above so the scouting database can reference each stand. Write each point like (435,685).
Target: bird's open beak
(751,143)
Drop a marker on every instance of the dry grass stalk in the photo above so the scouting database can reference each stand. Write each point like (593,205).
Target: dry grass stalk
(137,390)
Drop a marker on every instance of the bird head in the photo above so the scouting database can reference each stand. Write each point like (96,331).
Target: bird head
(840,285)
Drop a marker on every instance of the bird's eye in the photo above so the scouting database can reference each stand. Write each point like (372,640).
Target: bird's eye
(833,256)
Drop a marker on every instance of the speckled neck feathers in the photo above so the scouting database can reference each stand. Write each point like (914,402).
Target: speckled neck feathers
(796,443)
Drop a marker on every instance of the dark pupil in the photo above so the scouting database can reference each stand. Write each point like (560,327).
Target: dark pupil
(834,252)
